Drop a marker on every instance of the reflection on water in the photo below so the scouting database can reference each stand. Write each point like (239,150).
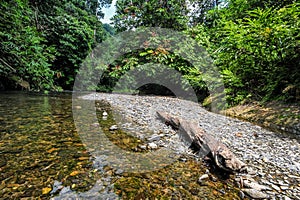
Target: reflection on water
(43,157)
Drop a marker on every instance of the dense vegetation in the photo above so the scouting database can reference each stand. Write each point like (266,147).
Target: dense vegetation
(256,48)
(44,42)
(254,44)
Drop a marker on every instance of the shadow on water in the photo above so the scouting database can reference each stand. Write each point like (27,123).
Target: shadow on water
(42,156)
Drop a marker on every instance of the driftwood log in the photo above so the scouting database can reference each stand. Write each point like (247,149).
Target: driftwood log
(205,143)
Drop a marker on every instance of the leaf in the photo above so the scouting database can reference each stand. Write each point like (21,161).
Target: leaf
(150,51)
(46,190)
(75,173)
(83,158)
(143,53)
(52,149)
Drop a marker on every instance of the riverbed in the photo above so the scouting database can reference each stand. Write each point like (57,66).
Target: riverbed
(44,154)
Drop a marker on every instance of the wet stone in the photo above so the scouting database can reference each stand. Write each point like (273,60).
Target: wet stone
(202,179)
(113,128)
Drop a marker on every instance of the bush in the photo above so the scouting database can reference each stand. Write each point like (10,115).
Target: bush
(259,54)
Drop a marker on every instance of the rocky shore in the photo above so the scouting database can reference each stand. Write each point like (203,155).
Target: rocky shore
(276,116)
(273,159)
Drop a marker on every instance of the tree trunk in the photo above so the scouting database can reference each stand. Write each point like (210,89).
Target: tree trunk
(205,143)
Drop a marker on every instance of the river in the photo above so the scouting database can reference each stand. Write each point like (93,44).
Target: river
(42,156)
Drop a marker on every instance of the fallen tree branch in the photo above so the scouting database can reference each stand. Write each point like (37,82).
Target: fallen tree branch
(205,143)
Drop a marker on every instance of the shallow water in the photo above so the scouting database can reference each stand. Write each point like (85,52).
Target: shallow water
(39,145)
(42,156)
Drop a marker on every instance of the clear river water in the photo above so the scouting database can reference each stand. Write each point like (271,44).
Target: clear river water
(43,157)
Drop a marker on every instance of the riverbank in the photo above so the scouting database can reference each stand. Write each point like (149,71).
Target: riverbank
(274,158)
(276,116)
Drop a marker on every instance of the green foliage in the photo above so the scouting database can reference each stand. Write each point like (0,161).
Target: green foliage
(145,63)
(44,42)
(23,53)
(109,29)
(255,44)
(142,59)
(166,14)
(73,31)
(259,54)
(198,13)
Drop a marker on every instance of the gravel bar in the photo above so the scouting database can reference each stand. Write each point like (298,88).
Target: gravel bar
(275,158)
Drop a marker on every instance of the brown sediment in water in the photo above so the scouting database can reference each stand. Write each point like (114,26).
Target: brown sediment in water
(40,145)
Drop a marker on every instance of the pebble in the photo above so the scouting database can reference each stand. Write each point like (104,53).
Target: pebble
(265,159)
(287,198)
(214,179)
(255,194)
(254,185)
(275,157)
(104,114)
(275,187)
(284,187)
(204,176)
(202,179)
(119,172)
(154,137)
(113,128)
(152,145)
(144,147)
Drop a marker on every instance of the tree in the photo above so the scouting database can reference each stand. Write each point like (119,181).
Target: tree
(73,28)
(94,7)
(151,13)
(44,42)
(199,9)
(25,59)
(257,50)
(109,29)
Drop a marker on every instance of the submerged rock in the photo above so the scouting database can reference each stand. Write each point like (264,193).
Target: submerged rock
(113,128)
(202,179)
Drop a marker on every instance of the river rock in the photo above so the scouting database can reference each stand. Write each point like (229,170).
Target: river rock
(144,147)
(56,186)
(275,187)
(154,137)
(273,156)
(204,176)
(113,128)
(152,145)
(202,179)
(254,185)
(104,114)
(255,194)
